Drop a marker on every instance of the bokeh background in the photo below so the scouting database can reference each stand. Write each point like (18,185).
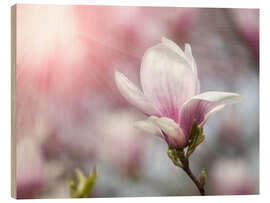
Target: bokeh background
(70,114)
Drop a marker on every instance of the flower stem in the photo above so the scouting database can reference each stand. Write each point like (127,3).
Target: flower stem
(179,155)
(194,179)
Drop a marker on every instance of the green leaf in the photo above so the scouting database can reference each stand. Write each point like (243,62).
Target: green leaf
(196,138)
(72,187)
(84,184)
(200,139)
(172,155)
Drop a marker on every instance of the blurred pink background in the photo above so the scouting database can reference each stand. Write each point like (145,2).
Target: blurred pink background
(70,114)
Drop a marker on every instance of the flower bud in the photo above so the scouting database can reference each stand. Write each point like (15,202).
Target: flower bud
(203,177)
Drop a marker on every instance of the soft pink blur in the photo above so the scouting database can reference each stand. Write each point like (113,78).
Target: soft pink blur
(231,177)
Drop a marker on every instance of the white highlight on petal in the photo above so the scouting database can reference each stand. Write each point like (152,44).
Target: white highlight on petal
(134,95)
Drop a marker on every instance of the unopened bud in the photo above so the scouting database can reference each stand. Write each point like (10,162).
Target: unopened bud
(203,177)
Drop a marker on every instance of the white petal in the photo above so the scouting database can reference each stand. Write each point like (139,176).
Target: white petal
(202,106)
(167,80)
(190,58)
(171,132)
(214,96)
(187,55)
(133,95)
(165,128)
(173,46)
(168,126)
(149,126)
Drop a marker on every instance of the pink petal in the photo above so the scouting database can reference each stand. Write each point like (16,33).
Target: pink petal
(165,128)
(202,106)
(167,80)
(134,95)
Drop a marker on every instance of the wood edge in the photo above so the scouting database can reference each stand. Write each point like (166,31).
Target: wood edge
(13,99)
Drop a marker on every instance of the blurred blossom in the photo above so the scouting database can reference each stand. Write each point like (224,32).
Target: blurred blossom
(249,89)
(30,173)
(229,129)
(231,177)
(246,21)
(120,144)
(134,28)
(172,102)
(34,172)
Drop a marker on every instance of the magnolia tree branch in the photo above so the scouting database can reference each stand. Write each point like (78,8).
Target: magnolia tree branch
(194,179)
(179,159)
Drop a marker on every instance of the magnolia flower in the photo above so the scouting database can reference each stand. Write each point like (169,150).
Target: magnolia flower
(170,93)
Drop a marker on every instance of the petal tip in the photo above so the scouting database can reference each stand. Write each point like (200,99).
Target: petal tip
(119,80)
(233,98)
(172,46)
(238,98)
(164,40)
(117,74)
(187,47)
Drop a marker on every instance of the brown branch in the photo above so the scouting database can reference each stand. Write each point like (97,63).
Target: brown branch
(194,179)
(176,155)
